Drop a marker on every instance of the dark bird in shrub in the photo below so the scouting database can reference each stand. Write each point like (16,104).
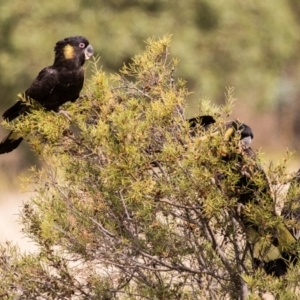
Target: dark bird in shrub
(54,85)
(252,189)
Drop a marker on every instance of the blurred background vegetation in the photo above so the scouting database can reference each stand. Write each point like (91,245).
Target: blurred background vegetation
(252,46)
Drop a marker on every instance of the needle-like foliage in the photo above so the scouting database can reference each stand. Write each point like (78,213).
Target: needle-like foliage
(130,205)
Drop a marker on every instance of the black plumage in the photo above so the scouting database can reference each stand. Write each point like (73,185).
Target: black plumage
(281,251)
(54,85)
(204,121)
(253,189)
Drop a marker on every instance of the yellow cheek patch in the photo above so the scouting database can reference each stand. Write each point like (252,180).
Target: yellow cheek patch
(68,52)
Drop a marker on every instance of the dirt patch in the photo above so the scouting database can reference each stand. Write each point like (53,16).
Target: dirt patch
(10,228)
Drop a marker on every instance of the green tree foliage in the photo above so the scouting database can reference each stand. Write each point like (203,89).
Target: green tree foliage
(128,205)
(247,45)
(251,45)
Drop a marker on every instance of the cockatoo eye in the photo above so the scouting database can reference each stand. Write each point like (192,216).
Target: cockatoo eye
(82,45)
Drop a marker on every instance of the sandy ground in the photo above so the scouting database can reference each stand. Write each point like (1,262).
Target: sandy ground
(10,228)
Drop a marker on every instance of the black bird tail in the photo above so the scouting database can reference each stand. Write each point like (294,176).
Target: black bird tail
(10,142)
(276,257)
(278,267)
(18,109)
(204,121)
